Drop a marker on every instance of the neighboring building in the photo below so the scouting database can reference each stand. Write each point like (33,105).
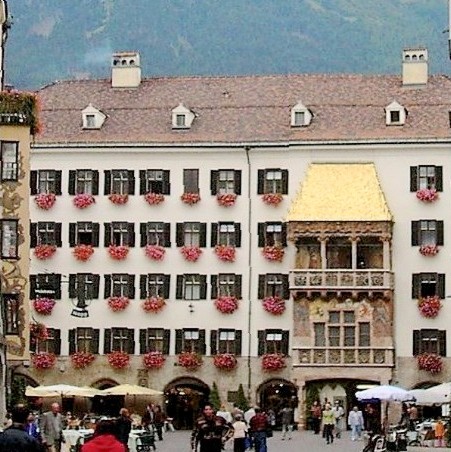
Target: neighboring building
(3,34)
(324,175)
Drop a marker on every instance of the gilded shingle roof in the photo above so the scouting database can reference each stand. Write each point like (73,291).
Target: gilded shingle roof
(340,192)
(247,109)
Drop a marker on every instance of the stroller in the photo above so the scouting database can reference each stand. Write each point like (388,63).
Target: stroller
(376,443)
(145,441)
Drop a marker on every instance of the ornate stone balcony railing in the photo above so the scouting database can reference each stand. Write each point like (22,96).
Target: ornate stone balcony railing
(343,356)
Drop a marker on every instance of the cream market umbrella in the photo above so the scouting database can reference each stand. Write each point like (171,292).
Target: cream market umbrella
(130,390)
(61,391)
(385,393)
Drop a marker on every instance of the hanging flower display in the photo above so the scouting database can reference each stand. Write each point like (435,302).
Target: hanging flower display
(190,360)
(83,252)
(81,360)
(115,198)
(429,306)
(83,200)
(225,253)
(45,201)
(153,360)
(431,362)
(427,194)
(153,199)
(225,361)
(43,252)
(118,304)
(226,304)
(38,332)
(43,306)
(226,199)
(190,198)
(429,250)
(273,362)
(155,252)
(272,199)
(118,360)
(43,360)
(191,253)
(273,253)
(153,304)
(274,305)
(118,252)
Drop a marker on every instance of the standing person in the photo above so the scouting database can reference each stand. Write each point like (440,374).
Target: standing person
(51,428)
(339,413)
(413,417)
(32,427)
(287,421)
(159,418)
(14,438)
(355,421)
(239,434)
(148,418)
(124,426)
(329,423)
(104,439)
(315,410)
(259,425)
(439,432)
(210,432)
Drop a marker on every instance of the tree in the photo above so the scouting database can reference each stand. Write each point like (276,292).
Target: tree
(241,400)
(215,400)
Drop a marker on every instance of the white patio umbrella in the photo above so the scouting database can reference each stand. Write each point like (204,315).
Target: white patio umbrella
(442,392)
(61,390)
(127,389)
(385,393)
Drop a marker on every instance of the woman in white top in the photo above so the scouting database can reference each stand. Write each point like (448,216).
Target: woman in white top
(239,434)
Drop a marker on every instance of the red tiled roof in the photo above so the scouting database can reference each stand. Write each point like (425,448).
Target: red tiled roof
(247,109)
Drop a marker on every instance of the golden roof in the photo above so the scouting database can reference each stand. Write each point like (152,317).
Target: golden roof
(340,192)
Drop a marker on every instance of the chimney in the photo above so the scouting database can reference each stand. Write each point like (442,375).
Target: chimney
(125,70)
(415,66)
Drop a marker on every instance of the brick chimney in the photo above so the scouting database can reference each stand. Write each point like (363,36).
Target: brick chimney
(415,66)
(125,70)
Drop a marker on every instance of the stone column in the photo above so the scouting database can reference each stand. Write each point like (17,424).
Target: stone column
(301,405)
(353,253)
(323,242)
(386,253)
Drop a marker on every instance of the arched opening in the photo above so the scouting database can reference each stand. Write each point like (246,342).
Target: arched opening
(107,406)
(184,398)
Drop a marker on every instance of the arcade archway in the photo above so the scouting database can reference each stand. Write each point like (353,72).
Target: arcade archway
(108,406)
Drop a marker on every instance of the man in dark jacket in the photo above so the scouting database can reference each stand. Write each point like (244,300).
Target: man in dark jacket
(15,438)
(259,426)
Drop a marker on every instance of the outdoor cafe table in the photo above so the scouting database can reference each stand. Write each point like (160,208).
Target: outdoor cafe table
(71,436)
(132,439)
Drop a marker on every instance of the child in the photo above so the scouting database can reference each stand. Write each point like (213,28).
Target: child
(439,431)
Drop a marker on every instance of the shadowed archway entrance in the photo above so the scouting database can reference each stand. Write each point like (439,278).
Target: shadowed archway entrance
(110,405)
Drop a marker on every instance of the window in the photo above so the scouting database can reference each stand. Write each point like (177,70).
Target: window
(190,340)
(426,177)
(154,285)
(428,285)
(84,286)
(272,181)
(11,306)
(180,120)
(272,234)
(191,181)
(84,340)
(9,239)
(226,233)
(182,117)
(156,233)
(50,345)
(83,181)
(299,118)
(119,340)
(45,285)
(225,285)
(9,157)
(225,341)
(92,118)
(84,233)
(154,340)
(119,233)
(191,234)
(427,232)
(395,114)
(90,121)
(300,115)
(119,285)
(45,233)
(154,181)
(273,285)
(225,181)
(273,341)
(45,181)
(429,341)
(191,287)
(119,182)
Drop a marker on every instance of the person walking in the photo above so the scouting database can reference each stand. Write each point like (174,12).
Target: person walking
(51,428)
(439,433)
(315,410)
(286,414)
(160,419)
(239,434)
(339,414)
(328,423)
(259,425)
(123,426)
(355,421)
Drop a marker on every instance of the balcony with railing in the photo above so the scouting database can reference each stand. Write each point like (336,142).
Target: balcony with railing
(18,108)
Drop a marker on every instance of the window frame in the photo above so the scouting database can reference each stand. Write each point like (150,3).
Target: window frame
(265,187)
(11,304)
(9,239)
(8,167)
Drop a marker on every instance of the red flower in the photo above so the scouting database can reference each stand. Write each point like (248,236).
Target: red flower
(83,252)
(153,304)
(429,306)
(225,253)
(118,360)
(272,199)
(225,361)
(190,360)
(273,253)
(154,199)
(118,304)
(115,198)
(273,362)
(38,332)
(274,305)
(429,250)
(190,198)
(118,252)
(43,360)
(191,253)
(153,360)
(83,200)
(80,360)
(155,252)
(427,194)
(226,304)
(226,199)
(44,251)
(45,201)
(43,306)
(431,362)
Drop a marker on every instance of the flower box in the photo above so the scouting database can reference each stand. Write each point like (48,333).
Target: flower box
(118,252)
(225,253)
(190,360)
(154,304)
(155,252)
(153,360)
(427,194)
(43,252)
(273,361)
(191,253)
(190,198)
(273,253)
(118,199)
(272,199)
(274,305)
(429,306)
(429,250)
(431,362)
(81,360)
(225,361)
(38,332)
(118,304)
(226,304)
(83,200)
(226,199)
(153,199)
(83,252)
(43,360)
(43,306)
(45,201)
(118,360)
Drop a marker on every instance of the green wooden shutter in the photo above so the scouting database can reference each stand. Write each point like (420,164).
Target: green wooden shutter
(56,281)
(416,345)
(33,235)
(33,182)
(238,342)
(94,345)
(203,235)
(166,341)
(143,235)
(214,175)
(284,234)
(131,287)
(261,234)
(57,341)
(166,183)
(203,287)
(413,178)
(131,234)
(142,341)
(107,239)
(238,287)
(414,233)
(178,341)
(202,348)
(180,234)
(238,235)
(96,285)
(142,287)
(72,234)
(58,182)
(285,287)
(131,341)
(58,241)
(167,235)
(440,235)
(442,342)
(71,337)
(179,288)
(285,342)
(95,234)
(439,178)
(33,287)
(72,286)
(261,342)
(261,182)
(107,341)
(131,182)
(261,286)
(95,183)
(166,286)
(71,188)
(213,342)
(214,234)
(142,182)
(107,183)
(107,286)
(441,285)
(237,182)
(416,281)
(284,182)
(214,287)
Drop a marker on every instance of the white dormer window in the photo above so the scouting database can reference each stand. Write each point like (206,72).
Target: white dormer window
(395,114)
(182,117)
(301,116)
(92,118)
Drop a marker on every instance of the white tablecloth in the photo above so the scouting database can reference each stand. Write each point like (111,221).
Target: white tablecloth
(71,436)
(132,440)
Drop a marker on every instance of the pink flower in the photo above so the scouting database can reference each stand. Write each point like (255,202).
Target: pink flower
(118,252)
(154,304)
(190,198)
(226,304)
(44,306)
(429,306)
(427,194)
(43,360)
(38,332)
(81,360)
(274,305)
(118,360)
(273,362)
(225,253)
(83,252)
(45,201)
(429,250)
(272,199)
(190,360)
(83,200)
(273,253)
(43,252)
(226,199)
(153,360)
(118,304)
(155,252)
(431,362)
(191,253)
(118,199)
(154,199)
(225,361)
